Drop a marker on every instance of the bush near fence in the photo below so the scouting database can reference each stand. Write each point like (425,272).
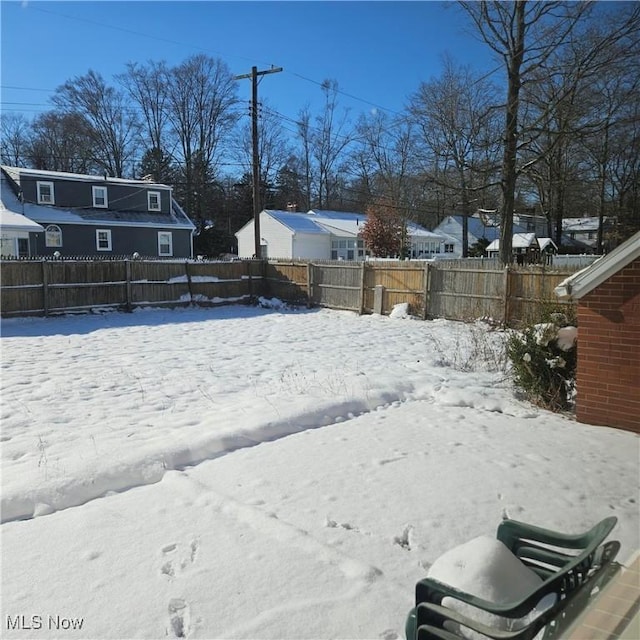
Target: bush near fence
(457,290)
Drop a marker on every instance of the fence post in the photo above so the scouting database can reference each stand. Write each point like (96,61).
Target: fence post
(378,299)
(188,274)
(309,284)
(507,294)
(362,278)
(248,265)
(127,270)
(427,290)
(45,287)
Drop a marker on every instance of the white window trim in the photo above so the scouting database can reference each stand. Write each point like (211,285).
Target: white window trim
(94,192)
(157,194)
(50,229)
(108,232)
(41,200)
(160,243)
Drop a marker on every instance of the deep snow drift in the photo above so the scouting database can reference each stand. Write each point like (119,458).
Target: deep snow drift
(269,473)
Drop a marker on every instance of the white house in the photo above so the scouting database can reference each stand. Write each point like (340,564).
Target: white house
(478,227)
(322,235)
(584,231)
(16,230)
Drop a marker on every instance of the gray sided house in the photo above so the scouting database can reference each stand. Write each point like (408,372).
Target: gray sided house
(83,215)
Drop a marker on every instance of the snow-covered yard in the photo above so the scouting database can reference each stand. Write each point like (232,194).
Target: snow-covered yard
(269,473)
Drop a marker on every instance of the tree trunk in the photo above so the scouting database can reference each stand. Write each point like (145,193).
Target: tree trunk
(509,169)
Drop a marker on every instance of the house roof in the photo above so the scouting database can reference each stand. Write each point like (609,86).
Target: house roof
(519,241)
(582,225)
(47,214)
(581,283)
(295,221)
(543,243)
(477,227)
(10,221)
(337,223)
(16,174)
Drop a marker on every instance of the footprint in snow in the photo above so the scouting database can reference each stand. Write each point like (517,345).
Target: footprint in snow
(179,618)
(168,568)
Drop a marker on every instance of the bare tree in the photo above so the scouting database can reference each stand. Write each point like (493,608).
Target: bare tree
(201,103)
(14,138)
(62,142)
(273,148)
(457,118)
(329,139)
(111,124)
(304,134)
(524,34)
(147,86)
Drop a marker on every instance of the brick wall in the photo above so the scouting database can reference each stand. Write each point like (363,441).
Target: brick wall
(609,352)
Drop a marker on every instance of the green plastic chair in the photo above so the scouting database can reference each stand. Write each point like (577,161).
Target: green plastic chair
(571,566)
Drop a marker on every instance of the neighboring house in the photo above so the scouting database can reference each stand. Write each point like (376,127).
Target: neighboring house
(608,300)
(85,215)
(17,234)
(321,235)
(582,233)
(526,247)
(480,227)
(530,223)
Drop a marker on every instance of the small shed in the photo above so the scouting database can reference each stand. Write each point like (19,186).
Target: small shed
(608,301)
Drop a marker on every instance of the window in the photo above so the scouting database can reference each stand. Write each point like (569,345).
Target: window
(103,239)
(100,197)
(23,247)
(165,243)
(52,236)
(153,200)
(448,248)
(45,193)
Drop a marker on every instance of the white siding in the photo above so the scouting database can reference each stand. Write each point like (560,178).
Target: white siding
(312,245)
(279,239)
(246,243)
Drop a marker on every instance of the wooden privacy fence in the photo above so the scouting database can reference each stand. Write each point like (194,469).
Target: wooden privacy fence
(46,287)
(462,290)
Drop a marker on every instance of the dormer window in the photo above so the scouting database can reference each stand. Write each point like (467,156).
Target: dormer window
(153,200)
(100,197)
(45,193)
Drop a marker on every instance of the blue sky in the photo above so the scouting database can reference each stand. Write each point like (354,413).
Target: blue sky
(378,52)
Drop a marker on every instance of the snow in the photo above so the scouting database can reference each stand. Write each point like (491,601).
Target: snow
(484,567)
(270,472)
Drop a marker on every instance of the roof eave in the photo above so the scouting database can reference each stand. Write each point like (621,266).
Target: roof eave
(583,282)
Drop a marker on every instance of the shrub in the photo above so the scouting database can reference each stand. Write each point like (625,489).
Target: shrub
(543,360)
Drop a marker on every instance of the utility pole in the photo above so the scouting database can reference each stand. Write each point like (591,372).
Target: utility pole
(256,159)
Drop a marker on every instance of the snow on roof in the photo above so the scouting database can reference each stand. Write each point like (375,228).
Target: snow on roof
(585,224)
(16,174)
(579,284)
(296,221)
(519,241)
(10,221)
(47,214)
(343,223)
(543,243)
